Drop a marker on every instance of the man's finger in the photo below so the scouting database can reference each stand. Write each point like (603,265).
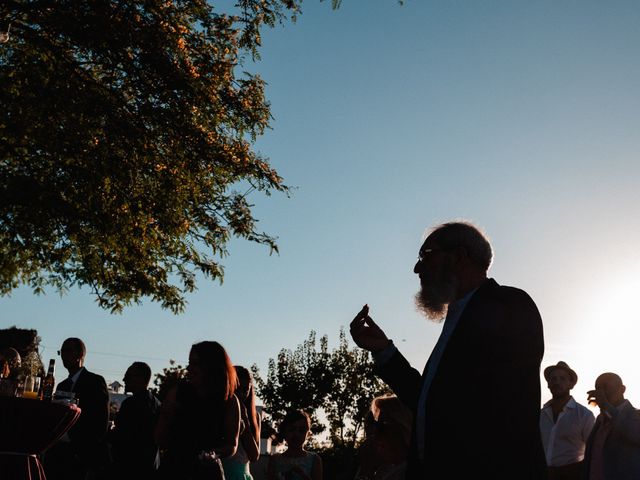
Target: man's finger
(360,317)
(370,323)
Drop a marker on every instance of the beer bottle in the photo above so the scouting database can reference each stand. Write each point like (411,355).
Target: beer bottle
(49,381)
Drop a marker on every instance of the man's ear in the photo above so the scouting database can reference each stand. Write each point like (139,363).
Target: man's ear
(460,254)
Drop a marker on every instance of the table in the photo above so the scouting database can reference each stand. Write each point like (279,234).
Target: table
(28,428)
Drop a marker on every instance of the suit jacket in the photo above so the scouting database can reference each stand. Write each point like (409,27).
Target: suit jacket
(483,405)
(133,446)
(88,435)
(621,451)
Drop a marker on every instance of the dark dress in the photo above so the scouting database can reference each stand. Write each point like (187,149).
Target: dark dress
(198,427)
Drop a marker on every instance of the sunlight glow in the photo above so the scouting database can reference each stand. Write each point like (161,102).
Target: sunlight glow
(610,327)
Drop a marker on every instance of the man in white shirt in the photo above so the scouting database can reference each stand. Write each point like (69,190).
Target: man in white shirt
(565,425)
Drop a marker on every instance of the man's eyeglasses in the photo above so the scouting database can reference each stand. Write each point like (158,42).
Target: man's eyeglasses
(426,252)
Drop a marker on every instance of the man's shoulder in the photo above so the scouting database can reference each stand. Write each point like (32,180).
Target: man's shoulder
(628,409)
(492,290)
(144,400)
(93,377)
(91,383)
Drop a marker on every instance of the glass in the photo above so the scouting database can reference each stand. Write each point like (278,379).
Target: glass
(31,387)
(425,252)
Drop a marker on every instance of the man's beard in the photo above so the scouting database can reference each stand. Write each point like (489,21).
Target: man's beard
(437,291)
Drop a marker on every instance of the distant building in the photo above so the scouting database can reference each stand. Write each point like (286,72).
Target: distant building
(115,387)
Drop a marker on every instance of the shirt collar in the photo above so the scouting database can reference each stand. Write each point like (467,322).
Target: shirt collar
(75,376)
(571,403)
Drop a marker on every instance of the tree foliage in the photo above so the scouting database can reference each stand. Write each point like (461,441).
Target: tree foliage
(126,143)
(339,384)
(170,376)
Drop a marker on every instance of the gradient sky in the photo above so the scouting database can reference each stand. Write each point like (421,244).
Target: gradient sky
(520,116)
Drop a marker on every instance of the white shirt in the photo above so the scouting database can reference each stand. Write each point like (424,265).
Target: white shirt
(564,441)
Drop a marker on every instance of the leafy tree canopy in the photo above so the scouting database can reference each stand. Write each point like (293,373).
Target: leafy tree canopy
(126,143)
(169,378)
(339,383)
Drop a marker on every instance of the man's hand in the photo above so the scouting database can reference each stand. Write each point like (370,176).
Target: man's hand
(597,397)
(366,333)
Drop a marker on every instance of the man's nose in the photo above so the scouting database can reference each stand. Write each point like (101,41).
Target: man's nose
(417,267)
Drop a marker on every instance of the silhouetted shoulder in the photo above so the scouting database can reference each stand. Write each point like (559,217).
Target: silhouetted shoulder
(507,295)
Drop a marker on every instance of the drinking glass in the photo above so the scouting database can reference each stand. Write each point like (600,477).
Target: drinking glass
(31,387)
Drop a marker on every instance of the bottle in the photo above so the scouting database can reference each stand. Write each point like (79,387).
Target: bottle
(49,381)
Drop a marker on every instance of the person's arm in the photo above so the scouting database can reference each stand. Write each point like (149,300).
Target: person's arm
(166,418)
(231,428)
(250,439)
(391,366)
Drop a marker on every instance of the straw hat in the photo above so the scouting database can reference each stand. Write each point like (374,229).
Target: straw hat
(562,365)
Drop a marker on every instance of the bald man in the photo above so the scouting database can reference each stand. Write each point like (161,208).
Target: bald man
(85,455)
(613,448)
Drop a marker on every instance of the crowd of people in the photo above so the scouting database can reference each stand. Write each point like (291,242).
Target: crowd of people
(491,347)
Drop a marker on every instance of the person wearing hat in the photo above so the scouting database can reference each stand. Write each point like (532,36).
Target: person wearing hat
(565,425)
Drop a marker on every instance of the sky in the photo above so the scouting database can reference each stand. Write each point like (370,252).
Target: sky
(522,117)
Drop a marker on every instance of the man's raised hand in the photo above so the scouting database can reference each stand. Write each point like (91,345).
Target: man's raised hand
(366,333)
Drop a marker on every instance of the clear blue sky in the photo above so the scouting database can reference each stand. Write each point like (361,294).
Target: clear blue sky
(520,116)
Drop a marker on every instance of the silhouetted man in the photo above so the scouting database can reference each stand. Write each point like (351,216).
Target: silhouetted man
(476,405)
(134,448)
(85,454)
(613,448)
(565,425)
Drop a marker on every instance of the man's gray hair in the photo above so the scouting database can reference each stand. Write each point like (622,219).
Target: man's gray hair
(463,234)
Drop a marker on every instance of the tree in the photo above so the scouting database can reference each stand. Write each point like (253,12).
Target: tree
(340,383)
(349,398)
(297,379)
(170,376)
(126,143)
(27,343)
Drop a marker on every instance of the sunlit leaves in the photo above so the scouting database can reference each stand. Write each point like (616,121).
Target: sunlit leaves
(126,154)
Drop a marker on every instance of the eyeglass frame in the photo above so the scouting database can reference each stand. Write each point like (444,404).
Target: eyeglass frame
(423,252)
